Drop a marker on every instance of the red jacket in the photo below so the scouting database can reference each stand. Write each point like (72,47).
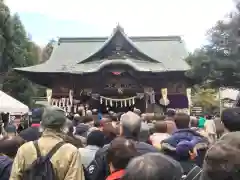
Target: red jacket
(116,175)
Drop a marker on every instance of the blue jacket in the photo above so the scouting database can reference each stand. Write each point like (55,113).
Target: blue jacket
(5,167)
(182,142)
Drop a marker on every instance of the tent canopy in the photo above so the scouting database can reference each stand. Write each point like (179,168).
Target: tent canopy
(10,105)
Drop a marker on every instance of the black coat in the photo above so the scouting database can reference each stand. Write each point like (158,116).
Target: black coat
(98,168)
(5,167)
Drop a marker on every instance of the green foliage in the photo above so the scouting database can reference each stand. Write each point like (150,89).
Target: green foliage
(5,36)
(16,50)
(207,99)
(218,63)
(47,51)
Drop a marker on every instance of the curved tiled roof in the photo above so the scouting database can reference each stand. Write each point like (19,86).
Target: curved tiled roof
(98,65)
(164,53)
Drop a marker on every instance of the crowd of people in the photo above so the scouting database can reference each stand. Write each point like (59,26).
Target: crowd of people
(122,146)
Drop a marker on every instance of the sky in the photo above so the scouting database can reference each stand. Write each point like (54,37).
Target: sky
(47,19)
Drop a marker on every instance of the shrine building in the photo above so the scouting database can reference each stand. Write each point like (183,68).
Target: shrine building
(116,72)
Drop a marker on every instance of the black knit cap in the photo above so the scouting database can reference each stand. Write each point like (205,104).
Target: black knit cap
(96,138)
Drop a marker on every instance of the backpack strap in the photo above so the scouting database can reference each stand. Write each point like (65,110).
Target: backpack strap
(194,174)
(35,143)
(54,149)
(51,152)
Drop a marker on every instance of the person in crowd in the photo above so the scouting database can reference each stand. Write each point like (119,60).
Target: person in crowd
(5,167)
(97,124)
(81,132)
(23,125)
(68,136)
(109,131)
(89,113)
(222,159)
(9,146)
(114,120)
(130,125)
(82,129)
(137,111)
(219,127)
(67,159)
(120,152)
(171,126)
(201,121)
(8,150)
(153,166)
(11,130)
(193,125)
(230,119)
(144,132)
(95,141)
(160,134)
(76,120)
(210,129)
(35,131)
(185,145)
(88,120)
(170,113)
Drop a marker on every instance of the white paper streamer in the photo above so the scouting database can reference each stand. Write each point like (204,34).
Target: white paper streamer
(130,102)
(63,101)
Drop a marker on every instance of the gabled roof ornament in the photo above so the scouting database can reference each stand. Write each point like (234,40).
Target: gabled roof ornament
(118,28)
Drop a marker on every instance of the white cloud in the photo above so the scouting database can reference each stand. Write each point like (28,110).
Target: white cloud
(190,18)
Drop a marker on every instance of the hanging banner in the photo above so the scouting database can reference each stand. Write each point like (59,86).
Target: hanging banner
(189,93)
(49,95)
(164,100)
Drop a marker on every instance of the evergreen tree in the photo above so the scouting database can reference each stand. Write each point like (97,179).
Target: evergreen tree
(5,40)
(218,63)
(23,53)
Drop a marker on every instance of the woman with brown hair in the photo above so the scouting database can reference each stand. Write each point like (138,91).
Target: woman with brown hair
(9,146)
(120,152)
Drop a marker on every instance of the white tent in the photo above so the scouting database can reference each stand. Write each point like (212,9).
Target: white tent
(10,105)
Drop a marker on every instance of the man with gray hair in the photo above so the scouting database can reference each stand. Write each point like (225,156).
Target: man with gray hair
(66,160)
(130,128)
